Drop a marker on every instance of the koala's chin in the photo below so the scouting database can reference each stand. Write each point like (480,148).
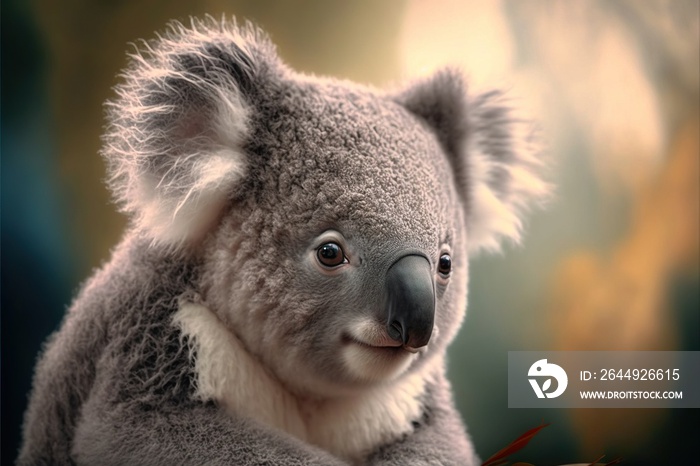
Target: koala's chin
(358,358)
(370,356)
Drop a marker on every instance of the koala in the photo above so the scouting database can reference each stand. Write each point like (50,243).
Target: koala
(295,266)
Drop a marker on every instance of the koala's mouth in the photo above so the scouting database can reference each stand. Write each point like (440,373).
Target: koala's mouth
(374,356)
(388,346)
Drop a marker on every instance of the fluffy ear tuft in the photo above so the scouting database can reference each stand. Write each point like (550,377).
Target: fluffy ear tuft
(505,166)
(176,132)
(494,156)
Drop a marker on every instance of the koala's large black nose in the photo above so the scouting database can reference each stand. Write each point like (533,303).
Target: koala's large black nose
(410,301)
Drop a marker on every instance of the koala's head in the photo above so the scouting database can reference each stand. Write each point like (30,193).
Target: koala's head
(332,222)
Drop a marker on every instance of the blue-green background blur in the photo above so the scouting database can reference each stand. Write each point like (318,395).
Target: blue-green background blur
(611,264)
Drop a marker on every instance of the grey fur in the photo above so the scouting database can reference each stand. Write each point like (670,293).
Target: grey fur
(391,173)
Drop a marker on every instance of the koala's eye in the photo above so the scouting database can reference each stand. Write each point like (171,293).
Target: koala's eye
(331,255)
(445,265)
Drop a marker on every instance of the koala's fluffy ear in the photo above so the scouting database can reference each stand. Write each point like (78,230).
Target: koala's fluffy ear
(493,154)
(175,134)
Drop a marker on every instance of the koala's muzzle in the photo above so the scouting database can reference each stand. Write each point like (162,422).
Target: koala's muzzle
(410,301)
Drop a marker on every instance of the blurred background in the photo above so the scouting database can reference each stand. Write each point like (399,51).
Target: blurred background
(611,264)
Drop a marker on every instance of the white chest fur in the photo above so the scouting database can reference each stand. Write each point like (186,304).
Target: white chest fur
(348,427)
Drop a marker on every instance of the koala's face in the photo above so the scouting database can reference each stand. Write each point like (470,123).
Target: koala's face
(342,261)
(331,222)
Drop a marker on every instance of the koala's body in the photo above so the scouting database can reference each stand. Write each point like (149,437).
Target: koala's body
(295,268)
